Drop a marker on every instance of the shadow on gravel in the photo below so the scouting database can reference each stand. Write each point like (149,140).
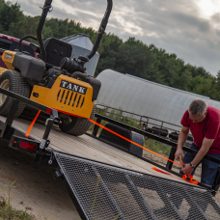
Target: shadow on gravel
(34,185)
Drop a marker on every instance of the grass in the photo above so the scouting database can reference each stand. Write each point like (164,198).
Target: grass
(6,210)
(118,115)
(157,146)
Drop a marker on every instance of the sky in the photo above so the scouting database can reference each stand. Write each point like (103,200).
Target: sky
(188,28)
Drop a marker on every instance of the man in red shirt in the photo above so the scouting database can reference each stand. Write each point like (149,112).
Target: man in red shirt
(204,123)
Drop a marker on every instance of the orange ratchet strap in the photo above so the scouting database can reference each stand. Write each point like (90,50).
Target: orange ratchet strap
(154,168)
(32,124)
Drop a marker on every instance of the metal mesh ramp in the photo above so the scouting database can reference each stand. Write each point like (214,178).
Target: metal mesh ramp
(103,191)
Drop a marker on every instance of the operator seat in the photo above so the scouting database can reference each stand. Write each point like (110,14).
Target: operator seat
(56,50)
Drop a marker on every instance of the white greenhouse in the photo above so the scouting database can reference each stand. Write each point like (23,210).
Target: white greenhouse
(146,98)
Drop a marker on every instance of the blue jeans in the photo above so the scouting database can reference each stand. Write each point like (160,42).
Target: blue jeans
(209,169)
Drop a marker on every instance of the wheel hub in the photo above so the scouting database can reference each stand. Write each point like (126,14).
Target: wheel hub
(68,120)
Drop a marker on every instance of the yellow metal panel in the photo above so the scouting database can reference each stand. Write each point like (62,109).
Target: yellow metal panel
(8,58)
(66,95)
(2,70)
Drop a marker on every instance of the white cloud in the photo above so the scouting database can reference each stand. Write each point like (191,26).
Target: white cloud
(190,29)
(208,7)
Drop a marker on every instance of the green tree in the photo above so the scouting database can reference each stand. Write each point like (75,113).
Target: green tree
(135,58)
(27,26)
(9,13)
(109,52)
(74,28)
(58,28)
(218,80)
(132,56)
(184,80)
(215,87)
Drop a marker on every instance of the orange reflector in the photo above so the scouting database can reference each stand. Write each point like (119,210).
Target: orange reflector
(27,146)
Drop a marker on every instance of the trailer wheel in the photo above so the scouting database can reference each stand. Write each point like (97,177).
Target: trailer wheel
(11,80)
(75,125)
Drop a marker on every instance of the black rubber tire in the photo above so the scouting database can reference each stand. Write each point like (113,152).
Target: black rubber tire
(139,139)
(12,81)
(77,126)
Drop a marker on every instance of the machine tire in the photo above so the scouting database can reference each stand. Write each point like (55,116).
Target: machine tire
(76,126)
(11,80)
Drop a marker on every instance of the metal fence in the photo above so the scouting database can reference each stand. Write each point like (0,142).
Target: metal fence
(152,125)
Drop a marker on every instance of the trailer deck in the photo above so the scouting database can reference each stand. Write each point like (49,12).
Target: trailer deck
(85,146)
(105,182)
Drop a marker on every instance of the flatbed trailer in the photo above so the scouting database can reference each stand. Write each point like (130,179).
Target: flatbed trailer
(105,182)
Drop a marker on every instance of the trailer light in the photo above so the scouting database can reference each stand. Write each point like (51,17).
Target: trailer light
(49,110)
(27,146)
(7,37)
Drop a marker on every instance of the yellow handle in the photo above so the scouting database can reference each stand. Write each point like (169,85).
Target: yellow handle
(181,161)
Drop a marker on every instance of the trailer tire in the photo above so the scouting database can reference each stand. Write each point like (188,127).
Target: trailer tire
(11,80)
(75,125)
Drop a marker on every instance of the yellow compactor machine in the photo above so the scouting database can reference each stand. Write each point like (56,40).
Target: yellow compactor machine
(53,78)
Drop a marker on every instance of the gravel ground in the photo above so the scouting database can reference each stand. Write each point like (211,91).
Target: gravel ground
(34,187)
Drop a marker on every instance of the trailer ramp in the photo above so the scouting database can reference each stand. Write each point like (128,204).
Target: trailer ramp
(103,191)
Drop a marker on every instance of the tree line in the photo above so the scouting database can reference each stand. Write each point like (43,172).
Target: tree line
(131,56)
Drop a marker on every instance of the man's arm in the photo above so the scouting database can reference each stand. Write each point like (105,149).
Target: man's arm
(181,140)
(206,144)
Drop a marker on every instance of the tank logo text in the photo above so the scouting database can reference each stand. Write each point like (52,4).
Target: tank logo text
(8,56)
(73,87)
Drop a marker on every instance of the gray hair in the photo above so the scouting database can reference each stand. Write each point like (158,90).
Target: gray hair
(197,106)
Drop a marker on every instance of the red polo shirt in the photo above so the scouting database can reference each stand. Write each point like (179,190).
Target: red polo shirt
(208,128)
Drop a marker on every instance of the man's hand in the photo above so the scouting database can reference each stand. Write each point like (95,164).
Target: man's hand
(187,169)
(181,140)
(178,153)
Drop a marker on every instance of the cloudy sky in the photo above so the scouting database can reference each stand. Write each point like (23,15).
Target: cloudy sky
(188,28)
